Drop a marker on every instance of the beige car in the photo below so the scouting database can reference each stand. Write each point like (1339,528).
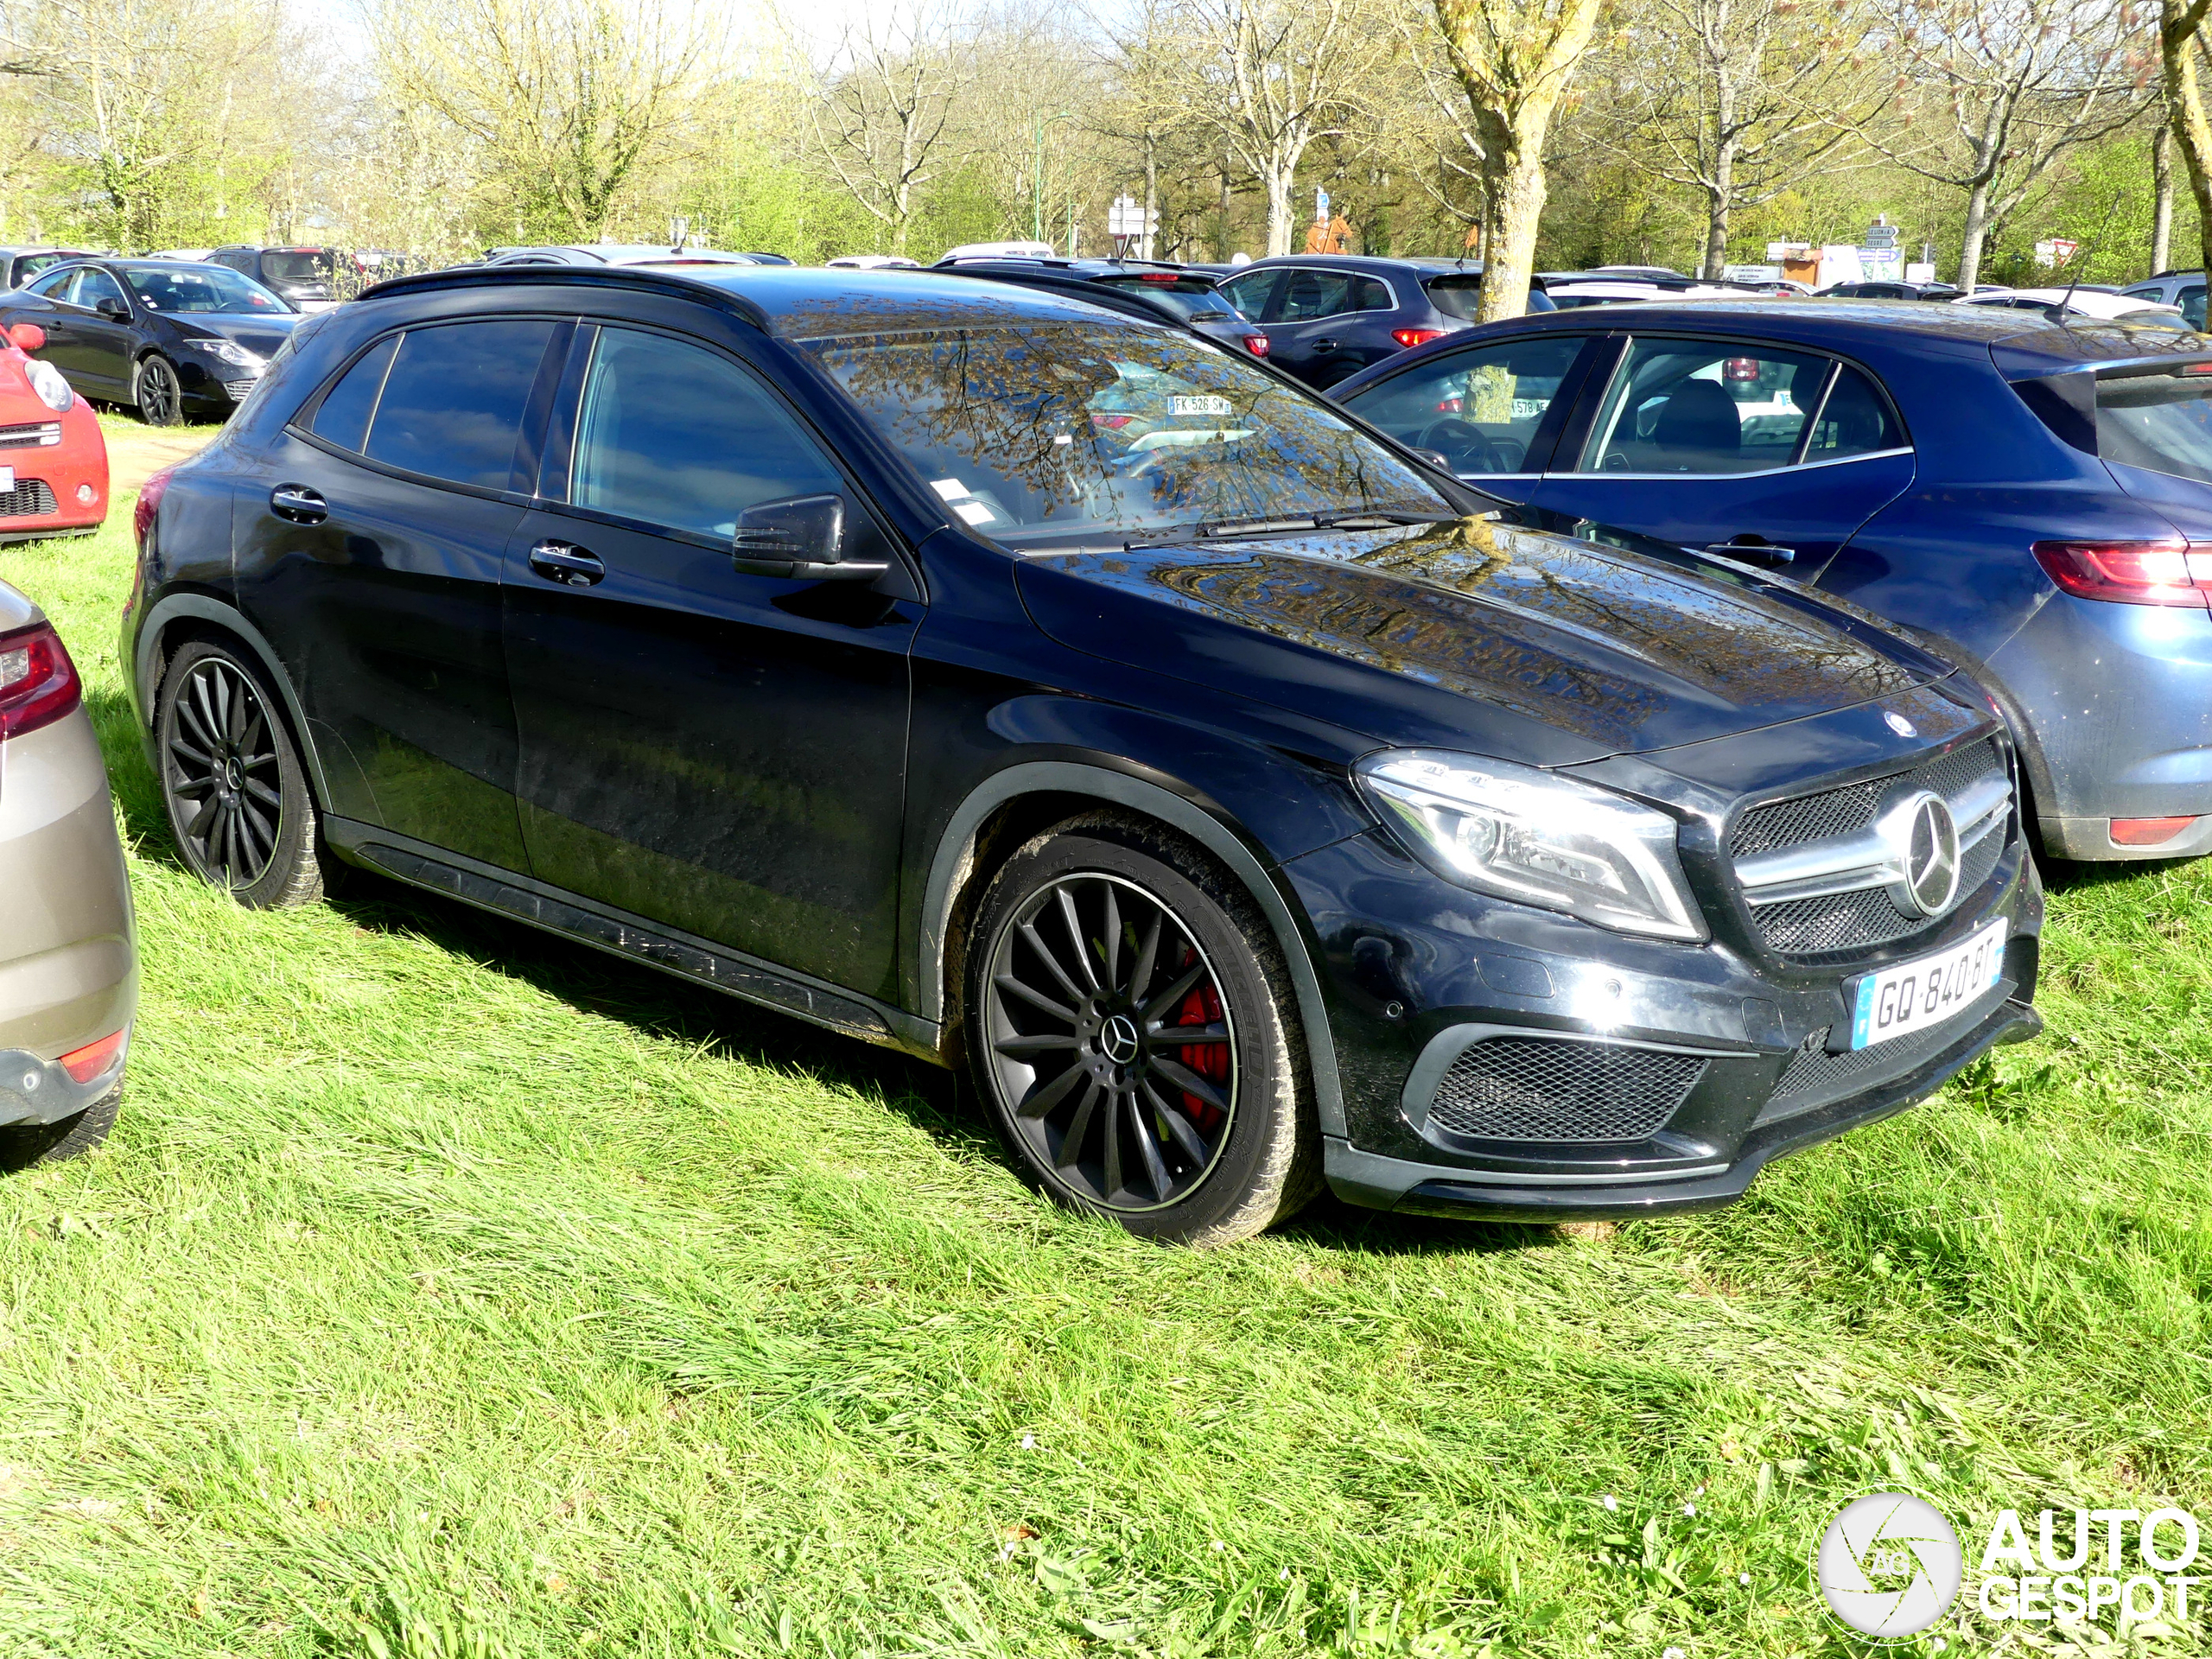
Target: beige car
(68,948)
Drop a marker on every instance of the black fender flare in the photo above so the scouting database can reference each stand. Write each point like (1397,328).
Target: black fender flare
(176,608)
(1119,789)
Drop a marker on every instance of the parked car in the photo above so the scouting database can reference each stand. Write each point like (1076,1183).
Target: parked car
(2183,289)
(1160,291)
(306,278)
(1046,690)
(53,455)
(1571,293)
(2021,495)
(1327,315)
(169,338)
(180,253)
(1002,251)
(68,947)
(1890,291)
(2079,302)
(19,265)
(873,261)
(617,253)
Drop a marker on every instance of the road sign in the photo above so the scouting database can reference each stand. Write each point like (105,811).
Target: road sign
(1320,207)
(1126,218)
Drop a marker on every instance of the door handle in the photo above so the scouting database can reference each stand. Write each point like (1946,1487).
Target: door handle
(1753,549)
(1324,344)
(298,504)
(565,563)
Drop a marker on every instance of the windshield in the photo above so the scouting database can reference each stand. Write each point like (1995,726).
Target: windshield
(2161,423)
(202,288)
(1050,429)
(311,265)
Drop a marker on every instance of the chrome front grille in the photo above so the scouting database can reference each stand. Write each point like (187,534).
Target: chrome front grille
(30,434)
(1832,872)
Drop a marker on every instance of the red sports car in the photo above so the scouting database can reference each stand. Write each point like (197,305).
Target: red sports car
(52,458)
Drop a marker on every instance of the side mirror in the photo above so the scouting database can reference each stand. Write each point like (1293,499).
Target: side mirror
(800,539)
(113,307)
(27,337)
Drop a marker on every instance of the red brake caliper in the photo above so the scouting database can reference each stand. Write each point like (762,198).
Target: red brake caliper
(1210,1060)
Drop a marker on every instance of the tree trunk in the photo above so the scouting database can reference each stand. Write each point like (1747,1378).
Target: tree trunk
(1516,198)
(1151,193)
(2162,195)
(1977,231)
(1221,249)
(2177,30)
(1279,210)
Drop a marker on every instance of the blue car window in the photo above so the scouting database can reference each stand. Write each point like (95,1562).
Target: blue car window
(1251,292)
(1707,407)
(1478,408)
(2192,306)
(1369,295)
(453,402)
(671,435)
(1855,421)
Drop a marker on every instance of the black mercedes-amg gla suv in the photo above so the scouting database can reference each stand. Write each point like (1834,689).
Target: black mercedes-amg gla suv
(1032,688)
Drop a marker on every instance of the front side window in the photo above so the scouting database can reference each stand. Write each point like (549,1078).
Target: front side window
(1251,293)
(1703,407)
(94,285)
(1066,430)
(210,289)
(1479,409)
(675,436)
(2161,423)
(453,400)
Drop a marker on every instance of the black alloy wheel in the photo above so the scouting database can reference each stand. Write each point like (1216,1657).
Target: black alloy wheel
(1111,1042)
(158,395)
(231,780)
(1131,1020)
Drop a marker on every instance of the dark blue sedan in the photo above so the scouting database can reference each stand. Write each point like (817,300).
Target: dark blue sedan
(2034,499)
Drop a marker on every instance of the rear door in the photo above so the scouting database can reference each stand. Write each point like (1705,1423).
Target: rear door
(1325,325)
(720,752)
(1775,455)
(1493,410)
(375,562)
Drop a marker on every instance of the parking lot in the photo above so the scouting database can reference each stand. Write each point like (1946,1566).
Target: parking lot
(446,1290)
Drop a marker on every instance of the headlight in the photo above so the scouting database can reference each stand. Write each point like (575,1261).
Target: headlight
(1528,836)
(226,351)
(46,380)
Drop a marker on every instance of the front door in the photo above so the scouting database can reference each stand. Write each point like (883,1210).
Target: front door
(375,560)
(1775,456)
(91,351)
(721,752)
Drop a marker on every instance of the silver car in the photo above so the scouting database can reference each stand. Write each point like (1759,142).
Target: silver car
(68,946)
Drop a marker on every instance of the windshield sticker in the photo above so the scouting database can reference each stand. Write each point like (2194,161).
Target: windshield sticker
(951,488)
(974,511)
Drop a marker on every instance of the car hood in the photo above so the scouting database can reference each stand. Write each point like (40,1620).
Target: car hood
(261,334)
(1477,634)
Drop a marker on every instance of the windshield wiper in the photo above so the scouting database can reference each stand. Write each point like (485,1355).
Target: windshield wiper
(1210,530)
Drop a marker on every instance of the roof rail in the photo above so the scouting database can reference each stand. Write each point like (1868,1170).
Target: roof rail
(423,282)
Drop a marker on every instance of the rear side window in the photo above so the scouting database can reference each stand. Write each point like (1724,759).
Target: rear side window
(453,400)
(2161,423)
(343,419)
(1369,295)
(1480,410)
(1855,421)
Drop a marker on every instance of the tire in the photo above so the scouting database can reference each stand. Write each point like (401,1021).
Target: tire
(156,390)
(232,782)
(1191,1143)
(24,1148)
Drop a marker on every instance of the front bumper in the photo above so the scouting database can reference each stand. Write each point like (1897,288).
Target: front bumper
(1497,1058)
(53,481)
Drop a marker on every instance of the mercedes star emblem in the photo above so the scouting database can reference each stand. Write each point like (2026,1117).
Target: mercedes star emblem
(1931,859)
(1899,724)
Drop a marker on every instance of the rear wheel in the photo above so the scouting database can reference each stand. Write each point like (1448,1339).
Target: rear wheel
(1133,1026)
(52,1143)
(158,393)
(231,780)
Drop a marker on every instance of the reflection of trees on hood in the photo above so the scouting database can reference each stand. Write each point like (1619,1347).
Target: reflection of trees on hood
(1071,416)
(1402,605)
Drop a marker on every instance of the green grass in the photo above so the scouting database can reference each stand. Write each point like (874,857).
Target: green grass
(447,1291)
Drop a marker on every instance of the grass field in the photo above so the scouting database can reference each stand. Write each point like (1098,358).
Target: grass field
(446,1291)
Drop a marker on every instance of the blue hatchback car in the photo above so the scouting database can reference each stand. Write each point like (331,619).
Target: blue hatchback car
(2032,499)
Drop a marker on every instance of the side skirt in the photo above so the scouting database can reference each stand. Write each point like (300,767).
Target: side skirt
(558,911)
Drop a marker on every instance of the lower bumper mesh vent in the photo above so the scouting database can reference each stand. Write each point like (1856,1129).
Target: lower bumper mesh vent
(1544,1089)
(30,498)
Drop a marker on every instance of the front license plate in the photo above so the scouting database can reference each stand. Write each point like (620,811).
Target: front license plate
(1929,990)
(7,478)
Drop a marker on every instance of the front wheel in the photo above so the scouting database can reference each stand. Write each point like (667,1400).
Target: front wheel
(1132,1023)
(158,393)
